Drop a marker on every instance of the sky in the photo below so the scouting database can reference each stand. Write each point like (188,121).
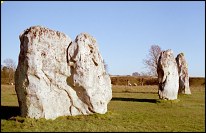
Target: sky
(124,30)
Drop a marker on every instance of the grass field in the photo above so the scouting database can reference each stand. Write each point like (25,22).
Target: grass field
(131,109)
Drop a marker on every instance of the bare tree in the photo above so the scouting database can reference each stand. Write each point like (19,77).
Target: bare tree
(135,74)
(105,66)
(145,74)
(10,64)
(152,59)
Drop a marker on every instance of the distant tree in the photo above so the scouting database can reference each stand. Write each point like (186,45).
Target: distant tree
(105,66)
(4,72)
(10,66)
(146,74)
(135,74)
(152,59)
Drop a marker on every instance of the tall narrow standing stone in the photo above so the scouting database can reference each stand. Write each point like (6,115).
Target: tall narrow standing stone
(56,77)
(183,74)
(167,76)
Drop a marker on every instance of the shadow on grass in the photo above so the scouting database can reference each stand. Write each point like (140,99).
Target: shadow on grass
(136,92)
(147,92)
(9,111)
(134,100)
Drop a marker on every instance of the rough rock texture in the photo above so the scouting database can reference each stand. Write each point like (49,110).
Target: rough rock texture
(88,75)
(56,77)
(167,76)
(183,74)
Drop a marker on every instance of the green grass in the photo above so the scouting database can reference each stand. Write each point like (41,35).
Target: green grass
(131,109)
(8,95)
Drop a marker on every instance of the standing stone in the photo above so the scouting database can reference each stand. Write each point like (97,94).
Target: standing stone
(44,69)
(167,76)
(183,74)
(88,75)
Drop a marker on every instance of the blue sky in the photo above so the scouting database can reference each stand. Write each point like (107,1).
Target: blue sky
(124,30)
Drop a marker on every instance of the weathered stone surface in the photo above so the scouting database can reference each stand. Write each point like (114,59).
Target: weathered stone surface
(48,85)
(88,75)
(167,76)
(183,74)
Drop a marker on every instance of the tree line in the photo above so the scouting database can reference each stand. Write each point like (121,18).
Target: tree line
(8,71)
(151,61)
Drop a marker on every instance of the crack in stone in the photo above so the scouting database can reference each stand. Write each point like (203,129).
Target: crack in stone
(72,104)
(95,63)
(70,98)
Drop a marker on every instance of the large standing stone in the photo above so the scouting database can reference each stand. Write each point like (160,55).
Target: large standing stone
(183,74)
(167,76)
(48,85)
(88,75)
